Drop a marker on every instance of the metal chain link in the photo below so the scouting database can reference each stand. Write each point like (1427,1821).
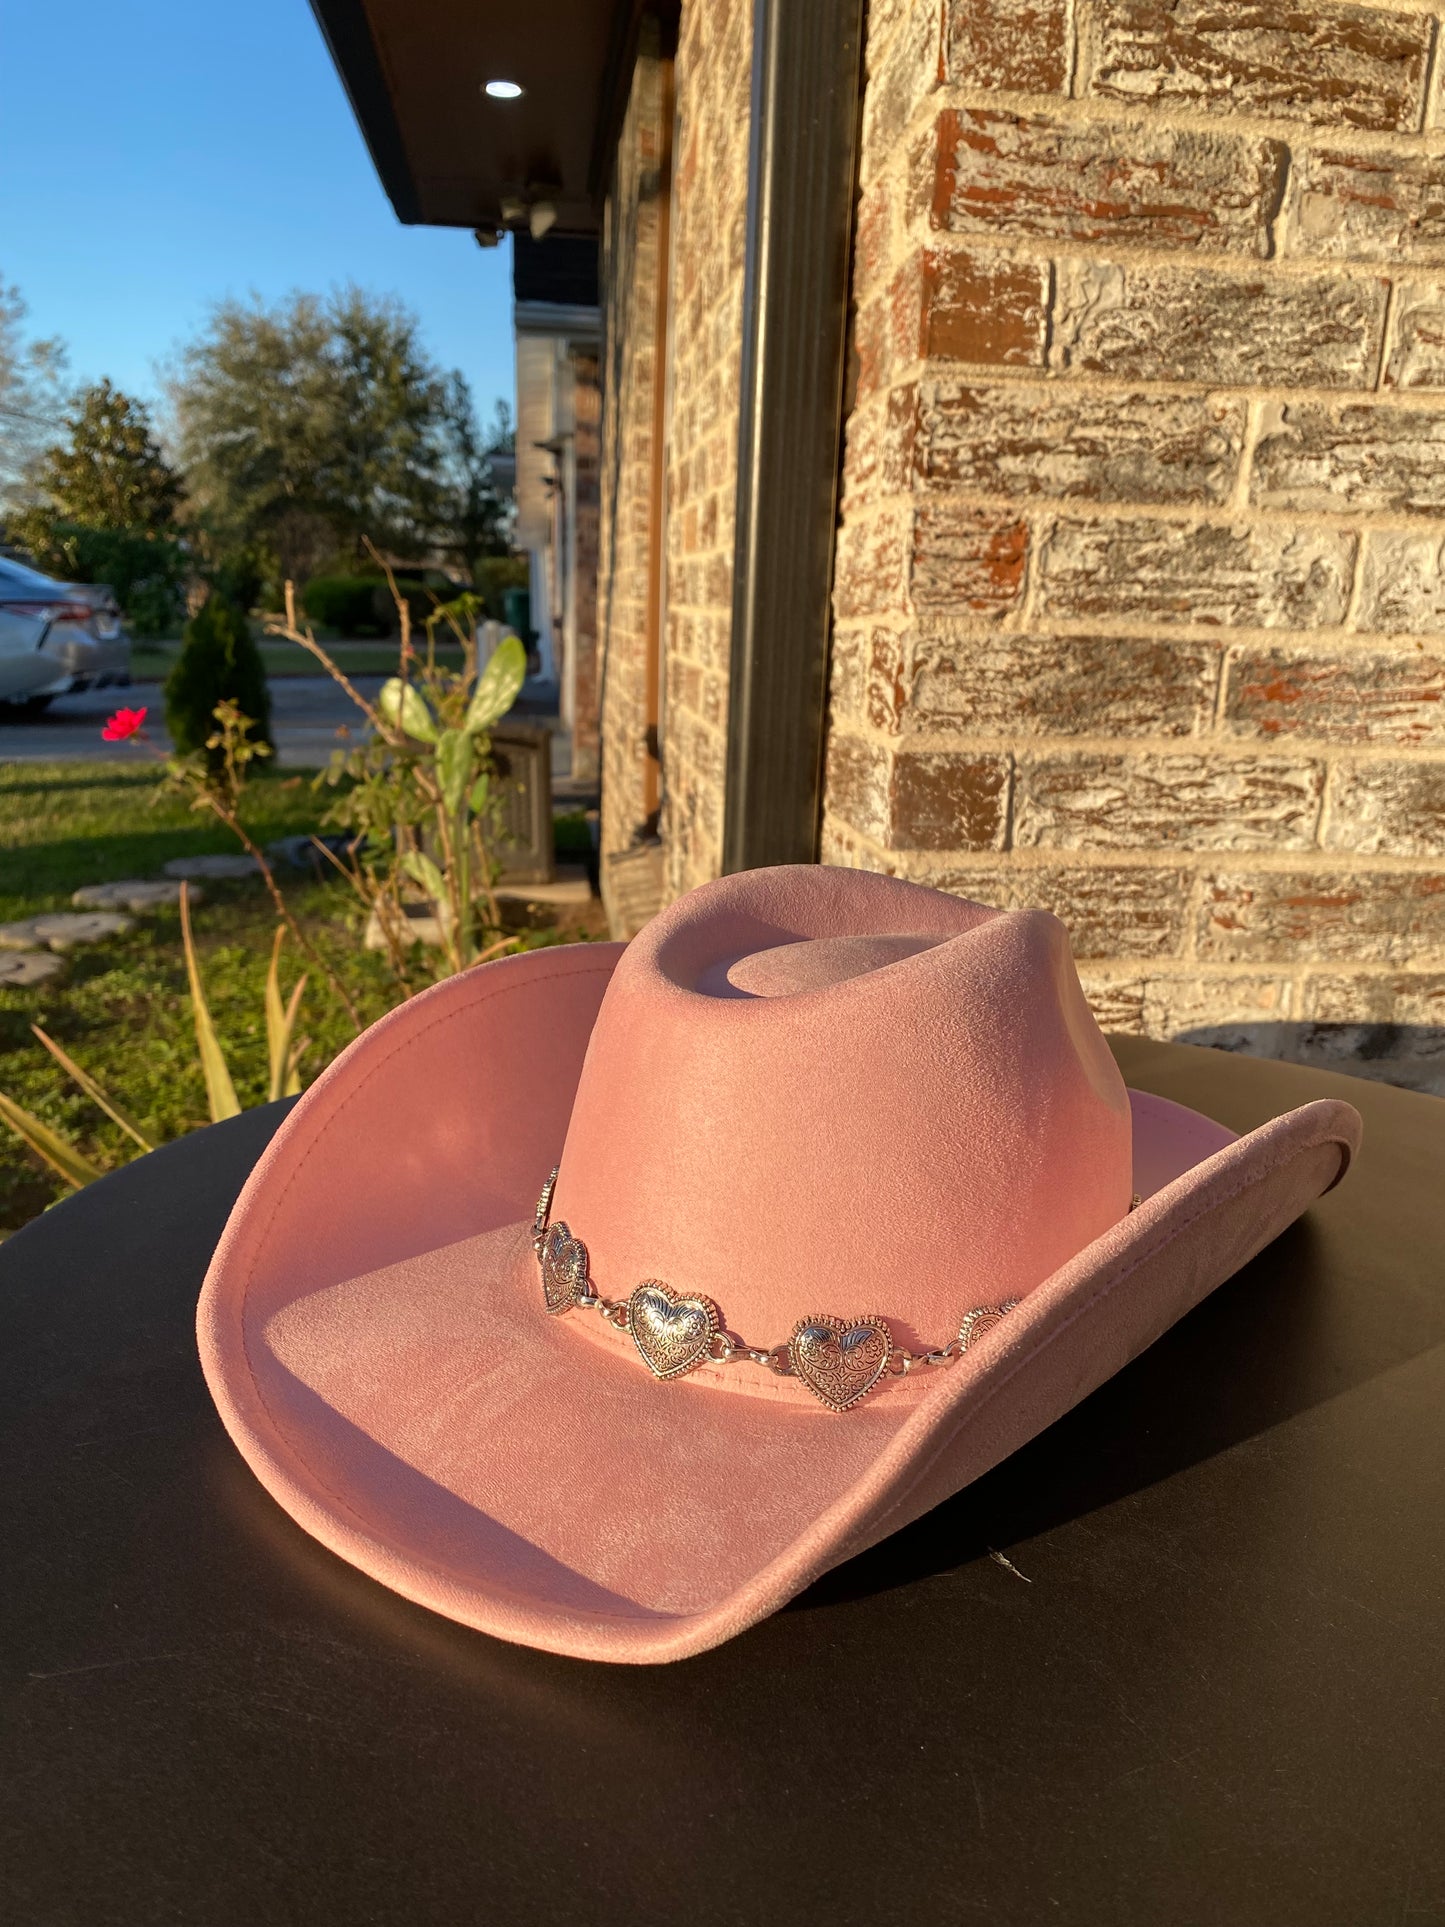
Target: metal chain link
(726,1348)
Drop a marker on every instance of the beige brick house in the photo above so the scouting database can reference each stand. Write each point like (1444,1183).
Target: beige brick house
(1022,459)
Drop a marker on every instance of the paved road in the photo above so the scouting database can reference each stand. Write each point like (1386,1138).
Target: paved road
(306,714)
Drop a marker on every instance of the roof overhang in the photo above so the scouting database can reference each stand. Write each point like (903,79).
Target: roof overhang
(448,155)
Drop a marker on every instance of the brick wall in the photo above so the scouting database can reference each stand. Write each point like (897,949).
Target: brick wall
(1140,611)
(582,635)
(632,236)
(713,72)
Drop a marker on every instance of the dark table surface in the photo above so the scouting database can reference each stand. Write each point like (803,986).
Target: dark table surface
(1207,1687)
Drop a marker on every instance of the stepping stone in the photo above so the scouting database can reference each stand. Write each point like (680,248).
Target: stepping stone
(422,926)
(21,967)
(132,893)
(302,854)
(190,867)
(19,936)
(67,928)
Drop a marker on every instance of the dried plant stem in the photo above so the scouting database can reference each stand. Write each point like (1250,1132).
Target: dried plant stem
(291,631)
(233,823)
(394,951)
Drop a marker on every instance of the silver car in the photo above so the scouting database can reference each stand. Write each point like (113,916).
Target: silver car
(57,637)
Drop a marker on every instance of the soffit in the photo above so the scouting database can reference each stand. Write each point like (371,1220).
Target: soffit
(448,156)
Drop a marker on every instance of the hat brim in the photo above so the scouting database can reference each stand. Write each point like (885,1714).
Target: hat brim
(373,1338)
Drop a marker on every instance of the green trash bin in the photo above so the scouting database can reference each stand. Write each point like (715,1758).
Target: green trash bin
(517,613)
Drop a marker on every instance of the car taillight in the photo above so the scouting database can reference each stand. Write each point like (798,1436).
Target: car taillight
(55,611)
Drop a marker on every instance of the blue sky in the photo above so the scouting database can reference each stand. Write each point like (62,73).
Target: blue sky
(156,155)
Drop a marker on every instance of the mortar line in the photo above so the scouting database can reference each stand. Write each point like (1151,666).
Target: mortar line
(1183,515)
(1071,49)
(1387,329)
(1093,110)
(1253,422)
(1180,260)
(1428,106)
(1357,583)
(979,374)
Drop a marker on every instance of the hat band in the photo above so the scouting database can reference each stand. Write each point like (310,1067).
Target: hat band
(840,1360)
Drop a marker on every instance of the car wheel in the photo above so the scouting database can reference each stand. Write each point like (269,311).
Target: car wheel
(21,708)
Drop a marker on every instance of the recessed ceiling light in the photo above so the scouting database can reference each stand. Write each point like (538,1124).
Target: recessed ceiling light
(503,90)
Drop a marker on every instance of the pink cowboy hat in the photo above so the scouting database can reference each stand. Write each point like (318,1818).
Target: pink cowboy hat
(852,1201)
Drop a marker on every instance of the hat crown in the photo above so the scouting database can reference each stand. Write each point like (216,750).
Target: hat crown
(812,1090)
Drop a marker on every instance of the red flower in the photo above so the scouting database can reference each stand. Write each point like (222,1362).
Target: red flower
(124,724)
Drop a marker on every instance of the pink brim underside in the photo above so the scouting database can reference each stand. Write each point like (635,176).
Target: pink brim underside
(372,1334)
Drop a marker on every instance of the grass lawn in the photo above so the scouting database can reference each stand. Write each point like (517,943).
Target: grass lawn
(121,1007)
(151,661)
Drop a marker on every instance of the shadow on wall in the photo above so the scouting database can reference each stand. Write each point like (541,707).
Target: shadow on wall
(1410,1055)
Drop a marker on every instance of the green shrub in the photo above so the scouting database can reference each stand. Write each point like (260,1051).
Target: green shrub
(218,662)
(144,571)
(352,605)
(361,605)
(495,574)
(239,576)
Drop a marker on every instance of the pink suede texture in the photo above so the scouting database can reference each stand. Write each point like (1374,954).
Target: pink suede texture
(911,1112)
(371,1325)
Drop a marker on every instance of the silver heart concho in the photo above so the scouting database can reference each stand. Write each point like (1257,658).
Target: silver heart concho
(982,1319)
(840,1360)
(673,1334)
(564,1268)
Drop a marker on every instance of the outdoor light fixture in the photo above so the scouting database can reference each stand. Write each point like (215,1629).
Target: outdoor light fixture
(503,90)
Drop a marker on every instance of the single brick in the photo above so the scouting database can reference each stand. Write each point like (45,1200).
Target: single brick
(856,780)
(1320,456)
(1349,206)
(1117,1002)
(910,68)
(943,800)
(979,308)
(1351,695)
(1018,46)
(1240,576)
(885,681)
(1387,809)
(955,305)
(1065,442)
(990,172)
(877,451)
(912,799)
(1060,685)
(870,564)
(1229,1011)
(1213,326)
(1403,997)
(966,561)
(873,238)
(1325,63)
(1113,912)
(1416,357)
(1108,910)
(1284,916)
(1091,800)
(865,677)
(1402,587)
